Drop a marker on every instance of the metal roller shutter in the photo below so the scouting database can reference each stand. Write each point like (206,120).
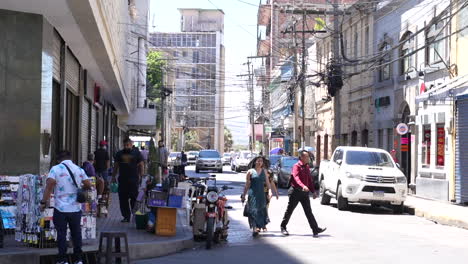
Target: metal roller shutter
(461,161)
(56,51)
(72,72)
(85,130)
(93,128)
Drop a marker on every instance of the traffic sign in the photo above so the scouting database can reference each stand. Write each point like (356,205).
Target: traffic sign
(402,129)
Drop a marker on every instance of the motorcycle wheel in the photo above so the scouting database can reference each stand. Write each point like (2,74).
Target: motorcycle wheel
(209,232)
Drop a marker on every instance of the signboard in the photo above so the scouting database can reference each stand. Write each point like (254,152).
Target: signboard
(268,129)
(404,148)
(402,129)
(404,141)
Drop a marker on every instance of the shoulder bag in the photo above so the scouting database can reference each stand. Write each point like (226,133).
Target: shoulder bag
(80,195)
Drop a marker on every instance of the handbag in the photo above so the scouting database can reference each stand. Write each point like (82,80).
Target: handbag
(246,210)
(80,195)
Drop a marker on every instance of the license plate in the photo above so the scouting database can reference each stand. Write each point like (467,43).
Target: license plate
(211,214)
(378,194)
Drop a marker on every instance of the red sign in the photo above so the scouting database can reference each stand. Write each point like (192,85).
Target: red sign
(404,141)
(440,146)
(404,148)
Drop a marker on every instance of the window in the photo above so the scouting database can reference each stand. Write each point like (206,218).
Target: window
(354,138)
(345,139)
(384,71)
(195,57)
(365,138)
(176,54)
(380,138)
(407,48)
(365,158)
(389,139)
(426,146)
(435,51)
(440,162)
(338,155)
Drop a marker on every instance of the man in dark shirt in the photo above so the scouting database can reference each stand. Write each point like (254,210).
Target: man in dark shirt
(301,185)
(102,161)
(129,166)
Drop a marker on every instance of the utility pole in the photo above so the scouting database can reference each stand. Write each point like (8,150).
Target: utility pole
(336,61)
(303,79)
(251,103)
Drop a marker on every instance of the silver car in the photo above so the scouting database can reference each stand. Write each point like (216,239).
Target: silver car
(209,160)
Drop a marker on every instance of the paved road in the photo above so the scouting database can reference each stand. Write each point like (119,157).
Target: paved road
(362,235)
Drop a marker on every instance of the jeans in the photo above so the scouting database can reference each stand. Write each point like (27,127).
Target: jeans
(298,196)
(128,192)
(73,220)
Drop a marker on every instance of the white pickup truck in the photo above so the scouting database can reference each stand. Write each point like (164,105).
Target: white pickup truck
(362,175)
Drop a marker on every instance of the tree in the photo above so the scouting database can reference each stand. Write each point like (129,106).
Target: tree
(155,79)
(191,141)
(228,141)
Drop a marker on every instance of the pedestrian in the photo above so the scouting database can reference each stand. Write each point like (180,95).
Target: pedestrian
(129,166)
(102,162)
(144,153)
(90,172)
(183,160)
(63,180)
(161,160)
(257,177)
(301,184)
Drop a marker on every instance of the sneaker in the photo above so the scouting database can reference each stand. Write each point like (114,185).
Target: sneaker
(125,220)
(284,231)
(62,262)
(320,230)
(78,262)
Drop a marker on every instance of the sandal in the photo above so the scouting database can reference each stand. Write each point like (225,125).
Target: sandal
(264,229)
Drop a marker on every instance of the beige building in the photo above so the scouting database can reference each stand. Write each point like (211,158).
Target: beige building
(355,103)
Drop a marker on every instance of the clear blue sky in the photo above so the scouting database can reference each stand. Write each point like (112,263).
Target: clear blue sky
(240,27)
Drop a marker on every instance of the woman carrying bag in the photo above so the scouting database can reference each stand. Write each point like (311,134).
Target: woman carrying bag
(256,207)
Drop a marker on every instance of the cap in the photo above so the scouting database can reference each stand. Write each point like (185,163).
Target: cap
(103,143)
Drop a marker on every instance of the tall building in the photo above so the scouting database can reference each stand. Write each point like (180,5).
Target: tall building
(199,73)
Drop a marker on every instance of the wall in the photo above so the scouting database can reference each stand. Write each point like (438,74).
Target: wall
(20,91)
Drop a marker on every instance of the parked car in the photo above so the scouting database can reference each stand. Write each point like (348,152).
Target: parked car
(226,158)
(192,157)
(172,159)
(362,175)
(242,160)
(209,160)
(272,169)
(284,169)
(233,161)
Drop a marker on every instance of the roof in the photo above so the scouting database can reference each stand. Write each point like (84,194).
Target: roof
(201,9)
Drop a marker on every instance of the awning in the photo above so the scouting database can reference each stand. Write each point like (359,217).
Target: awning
(142,118)
(455,88)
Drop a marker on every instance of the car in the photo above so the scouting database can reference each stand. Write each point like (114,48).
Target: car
(284,169)
(226,158)
(273,162)
(172,159)
(362,175)
(192,157)
(241,163)
(233,161)
(209,159)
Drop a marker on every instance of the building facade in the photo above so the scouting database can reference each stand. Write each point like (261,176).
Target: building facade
(199,74)
(65,79)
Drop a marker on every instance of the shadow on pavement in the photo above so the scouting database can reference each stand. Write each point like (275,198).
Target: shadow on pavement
(368,209)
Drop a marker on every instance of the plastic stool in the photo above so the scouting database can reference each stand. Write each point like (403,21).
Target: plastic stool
(109,254)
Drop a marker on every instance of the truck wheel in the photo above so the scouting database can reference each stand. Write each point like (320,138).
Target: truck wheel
(398,209)
(220,170)
(342,202)
(324,198)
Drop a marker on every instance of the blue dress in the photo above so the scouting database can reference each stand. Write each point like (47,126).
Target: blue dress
(258,217)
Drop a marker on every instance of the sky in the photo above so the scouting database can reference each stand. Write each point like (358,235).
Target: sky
(240,29)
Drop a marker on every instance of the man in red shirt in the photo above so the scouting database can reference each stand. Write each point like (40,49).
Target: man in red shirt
(301,185)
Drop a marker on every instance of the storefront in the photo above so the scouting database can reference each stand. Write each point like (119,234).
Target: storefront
(461,153)
(435,148)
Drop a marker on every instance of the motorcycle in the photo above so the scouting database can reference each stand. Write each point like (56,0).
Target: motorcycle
(209,212)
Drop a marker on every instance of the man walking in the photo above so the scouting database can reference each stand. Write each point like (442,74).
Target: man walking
(144,153)
(129,166)
(301,185)
(102,161)
(63,180)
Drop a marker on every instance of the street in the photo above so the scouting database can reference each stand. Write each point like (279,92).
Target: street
(361,235)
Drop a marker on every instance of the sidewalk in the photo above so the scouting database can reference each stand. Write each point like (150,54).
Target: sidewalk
(440,212)
(142,245)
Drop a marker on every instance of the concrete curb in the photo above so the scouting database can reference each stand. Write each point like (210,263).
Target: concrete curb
(148,250)
(437,218)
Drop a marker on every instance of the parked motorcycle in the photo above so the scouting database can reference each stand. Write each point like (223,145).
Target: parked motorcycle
(209,212)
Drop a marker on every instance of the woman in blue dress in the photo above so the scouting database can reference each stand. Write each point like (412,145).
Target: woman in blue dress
(256,179)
